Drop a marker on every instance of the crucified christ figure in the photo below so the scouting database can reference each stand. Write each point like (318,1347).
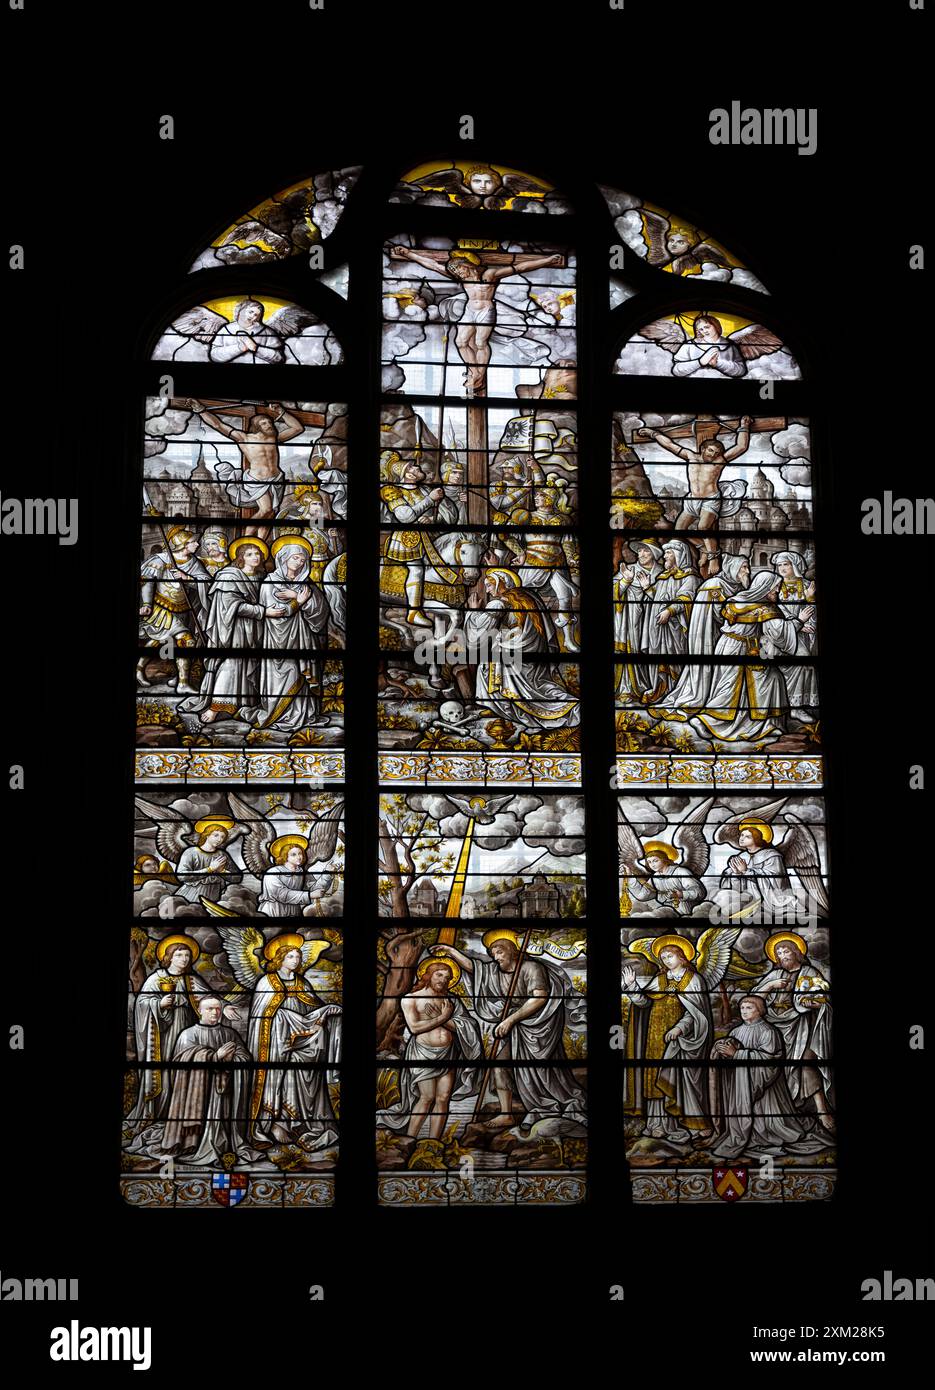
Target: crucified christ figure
(257,486)
(478,272)
(708,499)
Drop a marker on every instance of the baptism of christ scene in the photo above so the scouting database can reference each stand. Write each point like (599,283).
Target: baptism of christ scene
(479,1096)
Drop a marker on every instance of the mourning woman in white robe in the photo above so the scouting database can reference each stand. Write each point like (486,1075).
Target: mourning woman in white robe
(704,626)
(296,621)
(289,1023)
(235,617)
(668,613)
(796,601)
(633,586)
(748,703)
(756,1114)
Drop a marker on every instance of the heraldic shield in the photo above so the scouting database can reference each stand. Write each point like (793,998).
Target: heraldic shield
(730,1184)
(228,1188)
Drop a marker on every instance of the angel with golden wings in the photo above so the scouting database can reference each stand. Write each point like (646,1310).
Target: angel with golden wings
(294,1037)
(670,1021)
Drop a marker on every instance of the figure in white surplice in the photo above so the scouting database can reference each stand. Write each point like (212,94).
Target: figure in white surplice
(206,1119)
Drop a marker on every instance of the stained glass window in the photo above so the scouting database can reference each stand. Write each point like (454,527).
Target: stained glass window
(389,648)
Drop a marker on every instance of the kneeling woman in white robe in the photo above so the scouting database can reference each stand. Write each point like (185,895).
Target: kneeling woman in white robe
(520,691)
(756,1113)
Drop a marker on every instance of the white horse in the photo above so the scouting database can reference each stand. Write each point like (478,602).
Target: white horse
(444,591)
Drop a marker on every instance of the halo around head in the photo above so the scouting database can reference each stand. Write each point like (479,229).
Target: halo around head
(501,934)
(213,823)
(291,539)
(168,942)
(242,541)
(290,941)
(660,847)
(778,937)
(682,942)
(506,573)
(431,962)
(763,826)
(285,843)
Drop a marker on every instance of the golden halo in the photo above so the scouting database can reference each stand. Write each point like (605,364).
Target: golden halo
(764,827)
(501,934)
(290,940)
(660,847)
(285,842)
(431,961)
(212,823)
(241,541)
(510,574)
(168,941)
(683,943)
(774,940)
(290,539)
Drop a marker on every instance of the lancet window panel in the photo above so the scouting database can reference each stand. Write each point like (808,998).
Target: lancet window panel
(235,1092)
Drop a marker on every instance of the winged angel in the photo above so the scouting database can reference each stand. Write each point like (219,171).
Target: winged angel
(478,187)
(205,869)
(708,349)
(673,1101)
(289,1023)
(666,873)
(293,334)
(678,248)
(280,862)
(758,885)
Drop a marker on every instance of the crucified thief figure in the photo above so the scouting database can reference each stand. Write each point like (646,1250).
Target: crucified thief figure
(478,273)
(709,499)
(257,486)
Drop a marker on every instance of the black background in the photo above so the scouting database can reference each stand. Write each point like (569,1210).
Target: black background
(111,216)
